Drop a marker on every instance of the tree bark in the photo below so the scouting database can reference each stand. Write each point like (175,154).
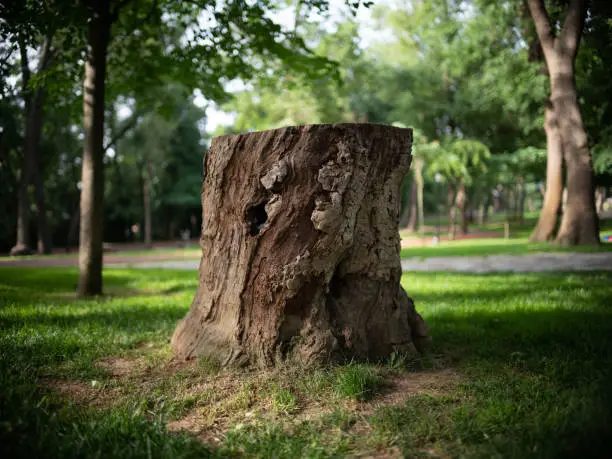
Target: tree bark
(92,190)
(579,224)
(300,248)
(545,228)
(412,223)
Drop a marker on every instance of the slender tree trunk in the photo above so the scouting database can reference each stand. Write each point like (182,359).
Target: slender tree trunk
(23,203)
(412,223)
(302,256)
(460,203)
(452,211)
(92,191)
(34,134)
(23,231)
(418,169)
(405,216)
(600,199)
(579,224)
(146,195)
(520,204)
(34,108)
(485,210)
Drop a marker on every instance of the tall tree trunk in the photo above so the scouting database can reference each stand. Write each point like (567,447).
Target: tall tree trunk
(600,199)
(520,200)
(23,202)
(452,211)
(146,195)
(34,102)
(418,169)
(460,202)
(21,246)
(92,191)
(34,134)
(579,224)
(302,256)
(412,223)
(545,228)
(405,216)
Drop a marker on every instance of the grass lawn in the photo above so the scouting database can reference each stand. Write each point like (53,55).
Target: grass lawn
(520,367)
(485,247)
(192,251)
(517,244)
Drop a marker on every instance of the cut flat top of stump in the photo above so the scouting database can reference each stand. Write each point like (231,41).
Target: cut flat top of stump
(308,127)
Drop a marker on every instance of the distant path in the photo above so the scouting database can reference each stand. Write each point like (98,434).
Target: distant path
(110,260)
(493,263)
(529,263)
(537,262)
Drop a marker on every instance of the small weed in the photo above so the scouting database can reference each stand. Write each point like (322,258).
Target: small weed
(398,360)
(340,418)
(283,401)
(241,400)
(314,383)
(357,381)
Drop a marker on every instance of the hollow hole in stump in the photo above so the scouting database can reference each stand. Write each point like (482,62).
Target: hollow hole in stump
(256,217)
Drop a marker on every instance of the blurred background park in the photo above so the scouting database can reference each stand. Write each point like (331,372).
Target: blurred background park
(469,77)
(107,108)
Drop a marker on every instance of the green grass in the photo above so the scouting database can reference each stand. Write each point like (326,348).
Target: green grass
(517,244)
(485,247)
(191,251)
(532,353)
(358,381)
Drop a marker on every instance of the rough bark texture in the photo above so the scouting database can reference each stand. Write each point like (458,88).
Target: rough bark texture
(92,191)
(301,249)
(579,224)
(545,228)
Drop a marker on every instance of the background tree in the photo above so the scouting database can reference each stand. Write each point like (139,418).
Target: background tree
(579,224)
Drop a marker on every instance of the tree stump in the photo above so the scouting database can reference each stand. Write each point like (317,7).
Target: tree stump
(300,248)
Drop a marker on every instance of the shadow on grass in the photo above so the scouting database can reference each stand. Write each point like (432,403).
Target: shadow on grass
(48,280)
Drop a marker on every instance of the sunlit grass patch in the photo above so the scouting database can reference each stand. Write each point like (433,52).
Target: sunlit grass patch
(357,381)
